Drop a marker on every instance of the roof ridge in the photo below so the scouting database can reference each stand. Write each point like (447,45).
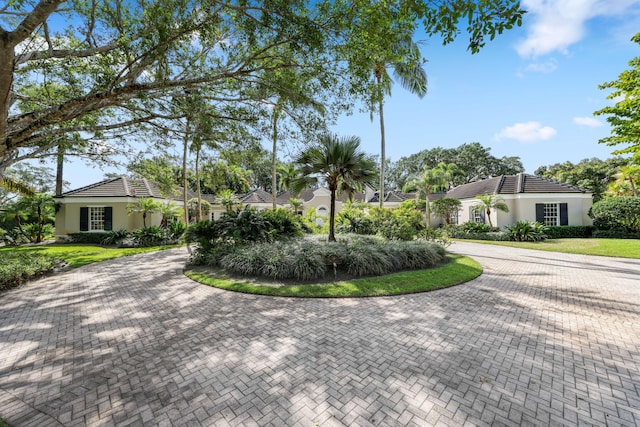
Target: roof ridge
(520,179)
(86,187)
(146,185)
(500,184)
(125,186)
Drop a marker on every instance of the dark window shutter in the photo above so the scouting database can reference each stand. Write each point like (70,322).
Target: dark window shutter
(540,213)
(108,218)
(84,219)
(470,213)
(482,215)
(564,214)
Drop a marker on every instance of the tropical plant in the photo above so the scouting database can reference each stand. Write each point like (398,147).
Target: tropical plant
(340,163)
(228,199)
(446,208)
(431,180)
(528,231)
(115,237)
(617,213)
(145,206)
(32,218)
(296,204)
(170,212)
(489,202)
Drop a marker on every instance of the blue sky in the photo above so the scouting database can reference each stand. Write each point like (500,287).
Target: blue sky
(530,93)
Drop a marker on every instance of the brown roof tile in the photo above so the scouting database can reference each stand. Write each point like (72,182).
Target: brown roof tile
(512,184)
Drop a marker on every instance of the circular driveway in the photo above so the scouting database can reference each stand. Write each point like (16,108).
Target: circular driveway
(540,338)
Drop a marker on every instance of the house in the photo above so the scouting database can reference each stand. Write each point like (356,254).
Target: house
(529,198)
(103,206)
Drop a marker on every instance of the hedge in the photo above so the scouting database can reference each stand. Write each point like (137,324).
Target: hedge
(614,234)
(569,231)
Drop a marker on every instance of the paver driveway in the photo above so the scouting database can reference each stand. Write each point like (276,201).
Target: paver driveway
(539,339)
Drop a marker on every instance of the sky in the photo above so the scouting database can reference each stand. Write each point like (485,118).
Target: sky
(530,93)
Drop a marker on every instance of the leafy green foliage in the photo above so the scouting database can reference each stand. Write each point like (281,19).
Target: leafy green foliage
(591,174)
(113,237)
(615,234)
(476,227)
(402,223)
(569,231)
(312,259)
(527,231)
(617,213)
(446,208)
(473,162)
(624,115)
(95,237)
(15,268)
(29,219)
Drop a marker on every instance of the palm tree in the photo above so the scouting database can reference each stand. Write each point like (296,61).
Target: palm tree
(405,59)
(489,202)
(145,206)
(340,163)
(296,204)
(432,180)
(228,199)
(287,174)
(16,186)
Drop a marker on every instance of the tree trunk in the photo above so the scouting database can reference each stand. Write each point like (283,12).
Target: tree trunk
(185,152)
(634,190)
(427,209)
(332,215)
(7,56)
(382,146)
(59,169)
(198,189)
(274,157)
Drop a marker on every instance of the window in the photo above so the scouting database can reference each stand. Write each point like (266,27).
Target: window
(453,217)
(96,218)
(477,216)
(550,214)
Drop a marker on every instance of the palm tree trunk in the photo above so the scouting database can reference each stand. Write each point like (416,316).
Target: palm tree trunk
(274,177)
(185,152)
(59,169)
(332,216)
(634,190)
(382,147)
(427,209)
(199,212)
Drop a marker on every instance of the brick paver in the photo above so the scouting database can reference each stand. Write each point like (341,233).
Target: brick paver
(539,339)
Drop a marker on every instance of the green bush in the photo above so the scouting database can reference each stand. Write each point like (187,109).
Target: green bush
(569,231)
(498,236)
(614,234)
(115,237)
(243,226)
(15,268)
(150,236)
(175,229)
(92,237)
(617,213)
(311,259)
(527,231)
(476,227)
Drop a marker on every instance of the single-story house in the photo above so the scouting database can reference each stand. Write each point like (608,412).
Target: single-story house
(529,198)
(103,206)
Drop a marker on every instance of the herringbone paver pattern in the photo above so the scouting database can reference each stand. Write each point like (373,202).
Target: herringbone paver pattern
(539,339)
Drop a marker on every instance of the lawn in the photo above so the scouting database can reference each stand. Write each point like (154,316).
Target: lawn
(79,255)
(458,270)
(624,248)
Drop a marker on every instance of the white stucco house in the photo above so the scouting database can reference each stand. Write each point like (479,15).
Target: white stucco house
(529,198)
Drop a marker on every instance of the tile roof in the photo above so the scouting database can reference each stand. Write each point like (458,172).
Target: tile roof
(392,196)
(127,187)
(512,184)
(256,196)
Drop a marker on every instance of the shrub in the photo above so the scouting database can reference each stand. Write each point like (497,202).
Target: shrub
(617,213)
(92,237)
(569,231)
(498,236)
(175,229)
(527,231)
(15,268)
(402,223)
(614,234)
(310,259)
(476,227)
(115,237)
(150,236)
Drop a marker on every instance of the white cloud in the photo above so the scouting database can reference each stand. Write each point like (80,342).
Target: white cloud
(557,24)
(543,67)
(587,121)
(528,132)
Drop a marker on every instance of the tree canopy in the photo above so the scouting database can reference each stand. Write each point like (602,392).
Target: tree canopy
(473,161)
(92,75)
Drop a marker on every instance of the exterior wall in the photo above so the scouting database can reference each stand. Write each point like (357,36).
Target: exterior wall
(68,216)
(522,207)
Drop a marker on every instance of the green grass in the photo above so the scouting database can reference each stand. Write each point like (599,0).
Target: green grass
(624,248)
(79,255)
(458,270)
